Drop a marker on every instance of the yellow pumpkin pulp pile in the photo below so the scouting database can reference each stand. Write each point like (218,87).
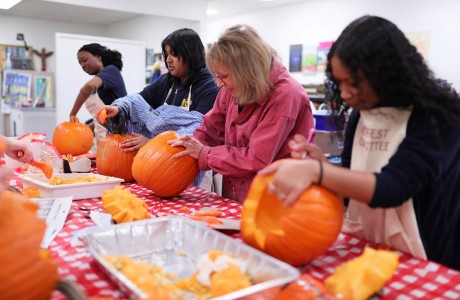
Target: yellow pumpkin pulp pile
(217,274)
(124,206)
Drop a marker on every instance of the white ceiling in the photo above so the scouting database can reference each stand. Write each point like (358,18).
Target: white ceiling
(106,12)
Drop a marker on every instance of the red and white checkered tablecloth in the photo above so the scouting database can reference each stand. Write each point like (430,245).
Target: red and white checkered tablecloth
(414,278)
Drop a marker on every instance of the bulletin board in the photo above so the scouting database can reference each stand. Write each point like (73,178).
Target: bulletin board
(70,77)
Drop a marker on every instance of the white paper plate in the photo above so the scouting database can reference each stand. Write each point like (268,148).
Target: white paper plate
(82,190)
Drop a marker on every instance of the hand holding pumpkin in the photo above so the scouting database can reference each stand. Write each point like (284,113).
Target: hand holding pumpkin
(192,146)
(134,143)
(291,177)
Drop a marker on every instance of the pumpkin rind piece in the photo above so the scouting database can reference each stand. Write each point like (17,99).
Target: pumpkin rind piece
(111,160)
(154,167)
(124,206)
(363,276)
(295,234)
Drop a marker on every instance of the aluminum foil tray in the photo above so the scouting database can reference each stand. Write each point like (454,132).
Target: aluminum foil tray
(175,244)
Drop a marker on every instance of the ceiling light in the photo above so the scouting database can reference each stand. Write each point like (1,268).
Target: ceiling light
(211,11)
(7,4)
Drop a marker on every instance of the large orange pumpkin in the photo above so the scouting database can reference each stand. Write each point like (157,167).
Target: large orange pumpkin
(295,234)
(26,271)
(304,288)
(73,138)
(154,167)
(111,160)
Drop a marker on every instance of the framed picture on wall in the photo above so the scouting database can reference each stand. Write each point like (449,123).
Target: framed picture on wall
(295,58)
(149,57)
(16,88)
(323,50)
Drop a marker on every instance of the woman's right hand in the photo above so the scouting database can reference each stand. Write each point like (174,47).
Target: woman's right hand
(291,177)
(300,149)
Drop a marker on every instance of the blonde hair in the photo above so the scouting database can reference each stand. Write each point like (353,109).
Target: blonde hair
(248,58)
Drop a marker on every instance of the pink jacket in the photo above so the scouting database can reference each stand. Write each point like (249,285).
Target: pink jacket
(237,145)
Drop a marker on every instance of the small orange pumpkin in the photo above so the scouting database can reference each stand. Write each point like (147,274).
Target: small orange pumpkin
(73,138)
(154,167)
(304,288)
(111,160)
(295,234)
(26,271)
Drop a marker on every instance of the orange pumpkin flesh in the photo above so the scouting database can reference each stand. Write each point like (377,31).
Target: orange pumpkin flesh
(73,138)
(102,116)
(26,272)
(295,234)
(111,160)
(154,167)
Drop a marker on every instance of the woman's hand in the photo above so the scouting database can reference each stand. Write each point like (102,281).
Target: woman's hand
(192,146)
(291,177)
(134,143)
(18,150)
(73,119)
(300,149)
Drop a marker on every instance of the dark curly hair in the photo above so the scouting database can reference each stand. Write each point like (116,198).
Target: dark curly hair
(394,69)
(186,44)
(108,57)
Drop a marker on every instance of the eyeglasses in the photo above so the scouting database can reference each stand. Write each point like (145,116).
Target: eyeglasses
(221,78)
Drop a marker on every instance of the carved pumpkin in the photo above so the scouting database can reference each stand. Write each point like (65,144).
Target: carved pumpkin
(111,160)
(73,138)
(304,288)
(154,167)
(26,271)
(295,234)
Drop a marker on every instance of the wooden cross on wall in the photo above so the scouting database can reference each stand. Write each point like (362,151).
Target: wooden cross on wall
(43,55)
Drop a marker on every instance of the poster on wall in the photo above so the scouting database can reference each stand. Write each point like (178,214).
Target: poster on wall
(309,59)
(323,50)
(149,57)
(421,41)
(16,89)
(295,58)
(42,91)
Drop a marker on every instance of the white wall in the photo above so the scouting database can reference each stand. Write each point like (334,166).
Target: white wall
(149,29)
(315,21)
(40,34)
